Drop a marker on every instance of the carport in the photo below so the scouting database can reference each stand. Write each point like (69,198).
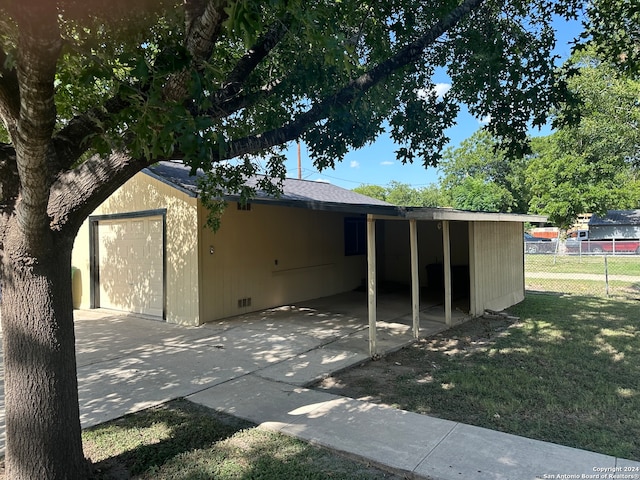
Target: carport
(475,258)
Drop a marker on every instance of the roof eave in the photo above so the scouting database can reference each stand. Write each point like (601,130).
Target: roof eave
(465,216)
(364,209)
(170,183)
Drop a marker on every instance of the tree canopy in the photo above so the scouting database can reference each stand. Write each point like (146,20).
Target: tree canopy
(92,92)
(613,29)
(270,73)
(591,166)
(478,175)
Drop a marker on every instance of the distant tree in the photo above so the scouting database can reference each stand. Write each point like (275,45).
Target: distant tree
(591,166)
(477,195)
(431,196)
(403,194)
(373,191)
(478,175)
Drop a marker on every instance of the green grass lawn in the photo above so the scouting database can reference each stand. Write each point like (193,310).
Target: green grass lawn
(617,265)
(584,287)
(568,372)
(182,440)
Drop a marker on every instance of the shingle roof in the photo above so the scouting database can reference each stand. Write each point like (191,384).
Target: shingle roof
(617,217)
(305,190)
(301,193)
(325,196)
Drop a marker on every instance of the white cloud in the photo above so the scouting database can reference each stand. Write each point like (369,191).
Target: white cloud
(439,90)
(354,164)
(387,162)
(484,120)
(322,180)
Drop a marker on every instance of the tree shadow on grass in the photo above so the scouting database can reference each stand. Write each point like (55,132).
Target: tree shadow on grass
(148,439)
(182,440)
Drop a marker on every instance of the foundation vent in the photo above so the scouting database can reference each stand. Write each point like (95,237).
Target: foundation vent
(244,302)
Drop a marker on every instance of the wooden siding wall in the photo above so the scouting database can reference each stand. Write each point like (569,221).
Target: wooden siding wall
(497,255)
(144,193)
(273,256)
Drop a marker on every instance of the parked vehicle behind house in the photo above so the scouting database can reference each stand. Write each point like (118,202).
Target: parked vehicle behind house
(538,244)
(582,242)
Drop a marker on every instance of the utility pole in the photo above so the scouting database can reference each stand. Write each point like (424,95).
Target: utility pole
(299,163)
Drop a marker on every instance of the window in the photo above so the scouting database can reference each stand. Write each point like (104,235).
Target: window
(355,236)
(244,206)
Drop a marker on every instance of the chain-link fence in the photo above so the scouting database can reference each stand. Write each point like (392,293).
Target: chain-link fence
(596,268)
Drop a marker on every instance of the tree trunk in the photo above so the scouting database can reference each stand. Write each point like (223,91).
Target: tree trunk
(41,389)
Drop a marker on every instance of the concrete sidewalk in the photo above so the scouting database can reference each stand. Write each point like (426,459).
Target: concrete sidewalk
(256,367)
(421,446)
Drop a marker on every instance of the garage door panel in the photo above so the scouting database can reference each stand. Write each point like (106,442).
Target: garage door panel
(137,229)
(131,266)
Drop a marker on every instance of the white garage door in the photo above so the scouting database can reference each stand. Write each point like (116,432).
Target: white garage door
(130,259)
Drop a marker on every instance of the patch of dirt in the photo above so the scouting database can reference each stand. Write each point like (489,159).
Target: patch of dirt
(110,469)
(379,378)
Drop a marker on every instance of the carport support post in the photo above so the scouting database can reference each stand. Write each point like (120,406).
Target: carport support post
(415,278)
(371,290)
(446,248)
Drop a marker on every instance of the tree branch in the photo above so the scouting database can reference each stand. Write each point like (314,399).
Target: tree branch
(74,139)
(406,56)
(78,192)
(203,25)
(246,65)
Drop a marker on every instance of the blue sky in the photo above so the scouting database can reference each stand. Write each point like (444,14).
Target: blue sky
(376,164)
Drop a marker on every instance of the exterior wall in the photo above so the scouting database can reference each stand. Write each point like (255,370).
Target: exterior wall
(459,239)
(144,193)
(270,256)
(394,260)
(397,254)
(497,265)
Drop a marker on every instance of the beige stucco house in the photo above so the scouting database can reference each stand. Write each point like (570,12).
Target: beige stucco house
(147,250)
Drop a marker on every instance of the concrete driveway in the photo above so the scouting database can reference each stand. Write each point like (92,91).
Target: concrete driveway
(127,363)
